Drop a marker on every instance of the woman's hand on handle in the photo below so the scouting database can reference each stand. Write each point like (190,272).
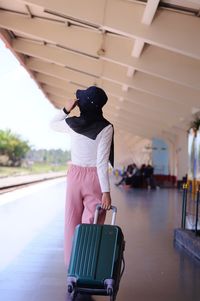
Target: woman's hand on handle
(106,200)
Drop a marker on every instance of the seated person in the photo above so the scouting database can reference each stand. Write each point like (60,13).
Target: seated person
(127,174)
(136,178)
(133,172)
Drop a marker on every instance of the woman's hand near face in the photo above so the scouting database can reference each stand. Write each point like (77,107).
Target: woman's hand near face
(70,105)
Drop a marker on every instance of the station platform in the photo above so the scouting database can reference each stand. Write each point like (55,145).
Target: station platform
(7,182)
(31,252)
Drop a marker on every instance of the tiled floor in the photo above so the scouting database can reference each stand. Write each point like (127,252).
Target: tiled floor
(31,247)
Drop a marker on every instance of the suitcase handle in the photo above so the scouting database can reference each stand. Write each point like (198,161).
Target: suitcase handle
(114,212)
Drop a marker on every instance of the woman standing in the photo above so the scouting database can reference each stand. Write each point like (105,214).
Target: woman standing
(91,149)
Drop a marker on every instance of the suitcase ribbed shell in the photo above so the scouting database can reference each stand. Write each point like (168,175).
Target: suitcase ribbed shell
(95,253)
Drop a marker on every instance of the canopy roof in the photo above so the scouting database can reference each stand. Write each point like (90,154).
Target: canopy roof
(145,54)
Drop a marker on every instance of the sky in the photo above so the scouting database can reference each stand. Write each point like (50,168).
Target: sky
(24,109)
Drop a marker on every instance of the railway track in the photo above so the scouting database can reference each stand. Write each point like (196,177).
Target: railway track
(15,186)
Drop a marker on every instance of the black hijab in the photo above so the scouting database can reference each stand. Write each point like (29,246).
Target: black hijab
(91,121)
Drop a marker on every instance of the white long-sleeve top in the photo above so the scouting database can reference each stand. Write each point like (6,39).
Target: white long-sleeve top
(87,152)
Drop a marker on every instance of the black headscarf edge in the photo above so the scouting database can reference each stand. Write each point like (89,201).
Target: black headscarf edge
(91,130)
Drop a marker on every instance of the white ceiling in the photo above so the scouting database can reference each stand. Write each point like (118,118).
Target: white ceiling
(145,54)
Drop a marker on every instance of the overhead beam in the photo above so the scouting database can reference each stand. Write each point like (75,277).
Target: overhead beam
(59,56)
(187,71)
(152,85)
(58,91)
(134,96)
(133,129)
(153,60)
(55,82)
(135,119)
(59,99)
(53,69)
(156,116)
(165,89)
(137,48)
(161,62)
(135,115)
(53,32)
(142,97)
(74,8)
(59,102)
(82,79)
(168,29)
(150,11)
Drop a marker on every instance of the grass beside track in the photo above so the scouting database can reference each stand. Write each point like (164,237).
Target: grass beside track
(36,168)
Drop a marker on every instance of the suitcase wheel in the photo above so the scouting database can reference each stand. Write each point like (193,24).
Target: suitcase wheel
(112,297)
(71,284)
(70,288)
(110,291)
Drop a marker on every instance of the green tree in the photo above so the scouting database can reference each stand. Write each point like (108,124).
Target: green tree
(13,147)
(55,156)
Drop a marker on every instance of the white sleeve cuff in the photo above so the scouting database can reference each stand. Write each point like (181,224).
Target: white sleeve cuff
(58,123)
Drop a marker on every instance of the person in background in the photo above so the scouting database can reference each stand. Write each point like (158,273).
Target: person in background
(91,149)
(143,175)
(135,179)
(126,174)
(149,176)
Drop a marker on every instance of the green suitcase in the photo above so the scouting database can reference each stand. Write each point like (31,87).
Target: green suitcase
(96,263)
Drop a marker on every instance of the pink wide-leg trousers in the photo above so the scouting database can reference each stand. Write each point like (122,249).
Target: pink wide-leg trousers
(83,194)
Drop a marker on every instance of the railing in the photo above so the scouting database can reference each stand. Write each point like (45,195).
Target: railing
(190,210)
